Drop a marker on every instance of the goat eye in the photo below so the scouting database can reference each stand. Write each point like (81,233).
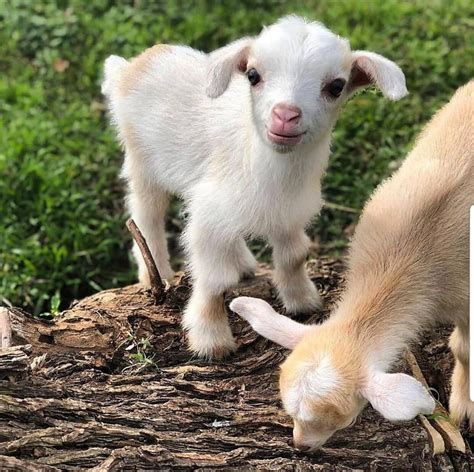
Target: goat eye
(253,76)
(336,87)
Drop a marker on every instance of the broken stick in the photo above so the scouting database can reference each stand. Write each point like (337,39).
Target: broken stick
(436,440)
(450,433)
(156,282)
(5,328)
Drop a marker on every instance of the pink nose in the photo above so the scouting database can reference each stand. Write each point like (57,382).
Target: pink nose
(285,118)
(287,113)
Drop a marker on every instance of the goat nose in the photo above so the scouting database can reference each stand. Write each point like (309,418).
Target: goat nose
(287,113)
(302,447)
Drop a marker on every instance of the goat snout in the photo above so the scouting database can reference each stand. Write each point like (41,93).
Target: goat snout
(285,120)
(302,447)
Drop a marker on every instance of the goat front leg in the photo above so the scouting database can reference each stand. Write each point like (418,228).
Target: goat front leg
(295,288)
(460,405)
(214,268)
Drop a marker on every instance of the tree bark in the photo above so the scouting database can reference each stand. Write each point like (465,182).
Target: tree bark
(108,385)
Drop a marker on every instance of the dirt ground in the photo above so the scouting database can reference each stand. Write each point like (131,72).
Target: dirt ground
(109,385)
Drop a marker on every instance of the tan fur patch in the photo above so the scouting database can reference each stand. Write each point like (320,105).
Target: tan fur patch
(214,308)
(138,66)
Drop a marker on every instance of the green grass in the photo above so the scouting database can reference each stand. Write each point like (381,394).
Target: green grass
(62,223)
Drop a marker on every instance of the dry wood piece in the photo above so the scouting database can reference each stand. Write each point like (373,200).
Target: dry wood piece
(14,361)
(156,283)
(5,328)
(437,441)
(118,390)
(449,432)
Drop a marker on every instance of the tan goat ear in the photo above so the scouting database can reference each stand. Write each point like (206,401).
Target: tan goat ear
(223,63)
(397,397)
(267,322)
(369,68)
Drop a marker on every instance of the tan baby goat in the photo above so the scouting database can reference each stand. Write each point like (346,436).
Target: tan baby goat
(242,134)
(408,269)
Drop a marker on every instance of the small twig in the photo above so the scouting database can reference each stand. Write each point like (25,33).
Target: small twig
(335,206)
(5,328)
(156,283)
(451,435)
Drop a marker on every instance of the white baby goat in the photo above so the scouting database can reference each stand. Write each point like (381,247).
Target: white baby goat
(242,134)
(408,269)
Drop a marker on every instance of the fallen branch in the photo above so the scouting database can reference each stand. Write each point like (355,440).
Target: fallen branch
(156,283)
(451,435)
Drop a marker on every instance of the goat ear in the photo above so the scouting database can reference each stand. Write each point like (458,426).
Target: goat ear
(267,322)
(370,68)
(223,62)
(398,397)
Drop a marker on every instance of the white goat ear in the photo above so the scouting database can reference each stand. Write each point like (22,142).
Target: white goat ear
(267,322)
(398,397)
(370,68)
(225,61)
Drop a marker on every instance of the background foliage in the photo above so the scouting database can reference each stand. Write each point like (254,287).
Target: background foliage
(62,222)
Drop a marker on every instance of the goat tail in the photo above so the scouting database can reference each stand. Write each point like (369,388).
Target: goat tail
(113,68)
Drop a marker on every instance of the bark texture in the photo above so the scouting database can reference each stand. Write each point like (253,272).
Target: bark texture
(109,385)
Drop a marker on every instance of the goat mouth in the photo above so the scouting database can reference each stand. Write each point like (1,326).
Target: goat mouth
(285,139)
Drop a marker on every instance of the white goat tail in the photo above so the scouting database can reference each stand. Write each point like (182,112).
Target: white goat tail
(113,67)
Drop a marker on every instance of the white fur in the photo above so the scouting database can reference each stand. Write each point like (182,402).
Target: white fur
(314,381)
(386,74)
(210,333)
(266,321)
(192,125)
(398,397)
(112,68)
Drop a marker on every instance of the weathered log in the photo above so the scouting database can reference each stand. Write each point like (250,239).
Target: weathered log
(112,387)
(14,361)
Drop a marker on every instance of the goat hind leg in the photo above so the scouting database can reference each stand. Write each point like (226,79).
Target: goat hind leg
(460,405)
(245,260)
(147,207)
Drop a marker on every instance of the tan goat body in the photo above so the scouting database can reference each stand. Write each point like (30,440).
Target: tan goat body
(408,268)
